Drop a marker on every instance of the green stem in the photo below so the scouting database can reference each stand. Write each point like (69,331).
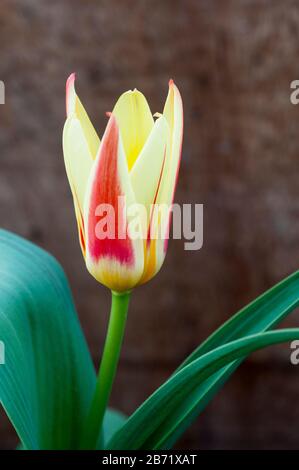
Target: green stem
(107,370)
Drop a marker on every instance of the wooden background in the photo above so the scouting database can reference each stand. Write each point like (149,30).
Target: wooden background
(233,61)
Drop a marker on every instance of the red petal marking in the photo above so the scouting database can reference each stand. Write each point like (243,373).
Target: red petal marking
(106,189)
(155,200)
(80,221)
(82,237)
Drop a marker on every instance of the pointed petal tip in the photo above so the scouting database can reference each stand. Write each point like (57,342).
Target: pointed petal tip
(112,122)
(70,92)
(173,86)
(173,89)
(112,126)
(133,93)
(70,81)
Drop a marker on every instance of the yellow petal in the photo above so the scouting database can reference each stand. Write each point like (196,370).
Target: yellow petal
(173,112)
(75,108)
(156,248)
(135,121)
(77,158)
(147,170)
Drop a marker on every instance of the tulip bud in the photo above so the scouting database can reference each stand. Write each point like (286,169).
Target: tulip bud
(134,166)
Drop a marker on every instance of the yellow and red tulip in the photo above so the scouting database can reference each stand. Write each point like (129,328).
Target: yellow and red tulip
(138,159)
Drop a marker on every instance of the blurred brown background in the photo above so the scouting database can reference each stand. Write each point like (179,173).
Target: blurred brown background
(233,62)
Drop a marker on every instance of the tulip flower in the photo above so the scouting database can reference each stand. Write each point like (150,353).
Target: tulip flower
(137,159)
(134,165)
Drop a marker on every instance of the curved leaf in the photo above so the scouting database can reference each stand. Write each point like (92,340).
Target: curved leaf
(48,377)
(139,427)
(263,313)
(260,315)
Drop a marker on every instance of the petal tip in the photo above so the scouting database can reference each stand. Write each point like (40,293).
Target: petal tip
(112,120)
(70,83)
(112,127)
(71,78)
(70,93)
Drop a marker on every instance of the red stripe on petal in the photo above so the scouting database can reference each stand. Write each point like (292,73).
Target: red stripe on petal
(82,238)
(155,200)
(106,189)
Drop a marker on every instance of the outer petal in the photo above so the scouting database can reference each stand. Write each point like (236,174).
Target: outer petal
(78,163)
(135,121)
(74,107)
(118,262)
(77,157)
(157,245)
(173,112)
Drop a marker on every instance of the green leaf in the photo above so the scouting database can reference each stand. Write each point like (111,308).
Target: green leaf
(113,421)
(148,417)
(260,315)
(48,377)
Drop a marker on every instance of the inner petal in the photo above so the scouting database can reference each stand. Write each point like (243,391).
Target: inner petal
(147,171)
(135,121)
